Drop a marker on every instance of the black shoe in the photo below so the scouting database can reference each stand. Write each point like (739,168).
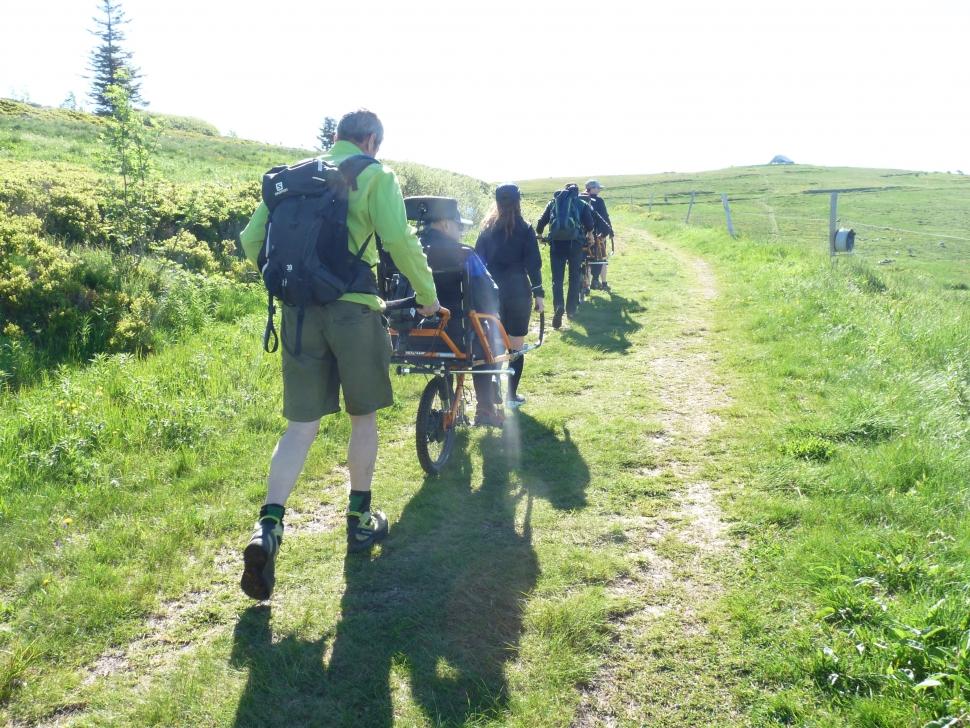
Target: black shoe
(557,318)
(365,529)
(606,287)
(259,560)
(515,400)
(489,418)
(595,285)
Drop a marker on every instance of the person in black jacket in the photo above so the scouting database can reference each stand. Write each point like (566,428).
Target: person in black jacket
(602,228)
(507,245)
(563,252)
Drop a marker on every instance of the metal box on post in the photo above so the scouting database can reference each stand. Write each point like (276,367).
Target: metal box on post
(844,240)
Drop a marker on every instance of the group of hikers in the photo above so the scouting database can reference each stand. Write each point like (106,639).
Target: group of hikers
(323,226)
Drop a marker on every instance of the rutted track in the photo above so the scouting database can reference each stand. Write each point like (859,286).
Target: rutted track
(678,552)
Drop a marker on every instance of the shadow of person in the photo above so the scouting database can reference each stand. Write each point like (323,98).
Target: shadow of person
(280,673)
(608,323)
(429,622)
(439,613)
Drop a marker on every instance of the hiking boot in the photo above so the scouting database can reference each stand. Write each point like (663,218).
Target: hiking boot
(557,318)
(259,560)
(489,418)
(604,286)
(365,529)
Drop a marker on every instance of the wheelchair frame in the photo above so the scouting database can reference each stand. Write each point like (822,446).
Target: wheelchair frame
(441,410)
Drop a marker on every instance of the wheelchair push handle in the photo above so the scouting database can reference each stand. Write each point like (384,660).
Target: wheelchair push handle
(406,309)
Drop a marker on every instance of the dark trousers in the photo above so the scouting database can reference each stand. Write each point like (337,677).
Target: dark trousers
(487,391)
(561,254)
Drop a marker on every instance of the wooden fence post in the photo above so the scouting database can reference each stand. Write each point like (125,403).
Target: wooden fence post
(727,214)
(689,208)
(833,211)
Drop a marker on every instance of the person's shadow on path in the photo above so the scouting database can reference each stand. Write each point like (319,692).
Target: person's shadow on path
(608,323)
(438,613)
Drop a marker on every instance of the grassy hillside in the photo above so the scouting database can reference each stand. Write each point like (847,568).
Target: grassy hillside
(905,222)
(30,133)
(73,289)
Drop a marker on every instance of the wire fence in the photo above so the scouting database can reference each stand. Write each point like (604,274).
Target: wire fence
(890,223)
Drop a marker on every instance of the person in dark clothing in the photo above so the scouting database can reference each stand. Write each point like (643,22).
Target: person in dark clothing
(566,252)
(454,265)
(602,229)
(507,245)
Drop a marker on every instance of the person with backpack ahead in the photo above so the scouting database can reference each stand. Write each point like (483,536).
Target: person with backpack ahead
(602,229)
(508,246)
(569,219)
(313,239)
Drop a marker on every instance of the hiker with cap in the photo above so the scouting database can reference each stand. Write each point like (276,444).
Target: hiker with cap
(569,220)
(337,202)
(602,229)
(463,284)
(508,246)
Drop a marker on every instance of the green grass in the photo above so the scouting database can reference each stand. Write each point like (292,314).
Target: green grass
(901,218)
(493,602)
(53,135)
(848,468)
(736,507)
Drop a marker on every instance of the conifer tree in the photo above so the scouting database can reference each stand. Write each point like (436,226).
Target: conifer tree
(328,133)
(109,59)
(127,154)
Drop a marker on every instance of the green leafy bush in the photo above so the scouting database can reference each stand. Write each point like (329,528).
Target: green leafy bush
(59,304)
(188,251)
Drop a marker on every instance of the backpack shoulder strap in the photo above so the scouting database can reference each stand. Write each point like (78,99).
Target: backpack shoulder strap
(351,168)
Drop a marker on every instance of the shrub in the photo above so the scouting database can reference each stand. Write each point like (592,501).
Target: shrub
(182,123)
(188,251)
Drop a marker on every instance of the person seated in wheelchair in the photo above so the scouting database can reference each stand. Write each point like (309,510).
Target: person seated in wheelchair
(463,284)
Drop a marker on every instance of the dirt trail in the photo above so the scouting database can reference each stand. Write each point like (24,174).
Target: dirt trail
(674,556)
(675,553)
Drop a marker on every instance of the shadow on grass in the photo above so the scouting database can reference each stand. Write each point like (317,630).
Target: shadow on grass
(608,322)
(437,613)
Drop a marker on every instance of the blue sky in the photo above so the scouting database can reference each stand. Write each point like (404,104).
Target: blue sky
(512,90)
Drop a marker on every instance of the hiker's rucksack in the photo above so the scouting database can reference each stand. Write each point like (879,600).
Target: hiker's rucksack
(564,221)
(305,260)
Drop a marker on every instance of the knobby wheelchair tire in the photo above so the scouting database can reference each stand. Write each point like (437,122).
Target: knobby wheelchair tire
(435,442)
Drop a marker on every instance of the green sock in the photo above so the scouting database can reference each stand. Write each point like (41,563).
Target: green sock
(359,501)
(272,512)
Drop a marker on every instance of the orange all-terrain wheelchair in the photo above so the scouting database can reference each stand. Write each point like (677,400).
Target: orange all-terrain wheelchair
(456,343)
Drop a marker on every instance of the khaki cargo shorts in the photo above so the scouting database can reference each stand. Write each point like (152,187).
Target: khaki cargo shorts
(344,346)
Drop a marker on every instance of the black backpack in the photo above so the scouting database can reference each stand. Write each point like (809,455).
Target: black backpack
(305,259)
(564,221)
